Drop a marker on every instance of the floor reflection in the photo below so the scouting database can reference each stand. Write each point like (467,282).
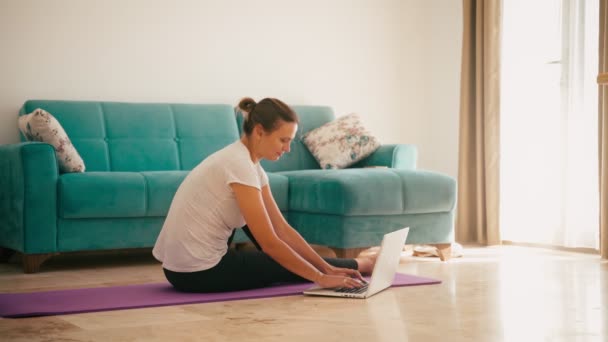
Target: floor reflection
(386,318)
(543,298)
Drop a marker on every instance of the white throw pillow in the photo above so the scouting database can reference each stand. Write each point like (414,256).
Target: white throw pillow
(40,125)
(340,143)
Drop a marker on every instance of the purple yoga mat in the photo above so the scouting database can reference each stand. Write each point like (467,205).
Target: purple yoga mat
(15,305)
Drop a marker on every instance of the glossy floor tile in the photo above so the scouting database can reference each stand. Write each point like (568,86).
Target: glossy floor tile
(506,293)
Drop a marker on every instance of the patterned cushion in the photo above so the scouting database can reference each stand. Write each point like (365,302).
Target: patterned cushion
(340,143)
(42,126)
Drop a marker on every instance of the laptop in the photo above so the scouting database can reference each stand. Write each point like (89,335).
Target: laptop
(383,274)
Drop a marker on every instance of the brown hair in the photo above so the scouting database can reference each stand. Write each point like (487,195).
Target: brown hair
(268,112)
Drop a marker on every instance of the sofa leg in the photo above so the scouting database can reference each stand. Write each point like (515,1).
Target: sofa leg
(32,262)
(444,250)
(348,253)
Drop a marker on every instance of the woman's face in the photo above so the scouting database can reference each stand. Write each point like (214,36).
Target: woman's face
(272,145)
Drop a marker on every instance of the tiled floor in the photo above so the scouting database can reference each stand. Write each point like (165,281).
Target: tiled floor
(504,293)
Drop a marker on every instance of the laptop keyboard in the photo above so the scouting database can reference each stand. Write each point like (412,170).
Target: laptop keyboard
(361,289)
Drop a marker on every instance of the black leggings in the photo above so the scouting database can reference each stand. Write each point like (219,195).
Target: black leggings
(241,270)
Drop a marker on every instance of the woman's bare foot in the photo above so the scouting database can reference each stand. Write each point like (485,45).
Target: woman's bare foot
(366,261)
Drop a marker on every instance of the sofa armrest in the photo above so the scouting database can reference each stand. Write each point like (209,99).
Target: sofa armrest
(28,197)
(398,156)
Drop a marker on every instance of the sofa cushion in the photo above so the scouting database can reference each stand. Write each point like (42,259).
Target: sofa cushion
(358,192)
(345,192)
(159,137)
(132,194)
(426,192)
(40,125)
(341,143)
(160,190)
(279,186)
(118,136)
(84,122)
(118,194)
(102,194)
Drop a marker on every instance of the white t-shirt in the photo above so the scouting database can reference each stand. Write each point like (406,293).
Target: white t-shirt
(204,211)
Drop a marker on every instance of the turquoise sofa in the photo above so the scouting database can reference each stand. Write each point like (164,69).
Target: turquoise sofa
(137,154)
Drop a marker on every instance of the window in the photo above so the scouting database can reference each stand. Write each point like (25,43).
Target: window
(549,171)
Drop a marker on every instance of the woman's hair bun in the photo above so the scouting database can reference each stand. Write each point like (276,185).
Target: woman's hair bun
(247,104)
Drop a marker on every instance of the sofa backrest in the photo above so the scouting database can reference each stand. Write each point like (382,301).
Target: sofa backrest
(300,157)
(117,136)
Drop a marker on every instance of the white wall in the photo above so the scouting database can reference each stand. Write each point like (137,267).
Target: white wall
(438,149)
(395,62)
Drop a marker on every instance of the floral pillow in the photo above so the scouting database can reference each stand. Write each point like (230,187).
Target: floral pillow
(340,143)
(42,126)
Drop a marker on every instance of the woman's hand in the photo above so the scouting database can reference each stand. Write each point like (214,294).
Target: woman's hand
(332,270)
(336,281)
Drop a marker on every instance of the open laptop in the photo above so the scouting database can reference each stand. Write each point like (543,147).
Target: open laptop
(383,274)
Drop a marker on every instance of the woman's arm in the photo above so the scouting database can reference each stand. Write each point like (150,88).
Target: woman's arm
(286,233)
(251,203)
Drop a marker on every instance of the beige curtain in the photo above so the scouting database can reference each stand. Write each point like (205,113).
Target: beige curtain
(603,130)
(477,219)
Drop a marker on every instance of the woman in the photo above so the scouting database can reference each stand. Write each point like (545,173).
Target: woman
(230,189)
